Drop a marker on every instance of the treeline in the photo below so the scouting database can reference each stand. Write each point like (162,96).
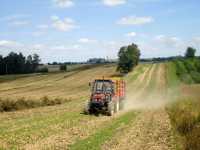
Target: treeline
(97,60)
(17,63)
(89,61)
(65,63)
(190,53)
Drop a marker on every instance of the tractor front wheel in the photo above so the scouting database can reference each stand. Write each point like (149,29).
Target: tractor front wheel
(87,108)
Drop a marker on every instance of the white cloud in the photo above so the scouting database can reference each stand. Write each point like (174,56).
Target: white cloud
(19,23)
(133,20)
(63,3)
(113,2)
(67,24)
(59,47)
(9,44)
(162,46)
(168,41)
(196,40)
(64,47)
(16,20)
(86,40)
(131,34)
(14,17)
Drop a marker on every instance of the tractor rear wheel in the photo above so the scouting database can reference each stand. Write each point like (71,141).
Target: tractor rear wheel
(110,108)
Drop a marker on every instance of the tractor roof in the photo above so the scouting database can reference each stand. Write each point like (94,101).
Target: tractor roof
(113,79)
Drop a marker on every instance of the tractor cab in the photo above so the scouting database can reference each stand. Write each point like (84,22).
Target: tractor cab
(103,87)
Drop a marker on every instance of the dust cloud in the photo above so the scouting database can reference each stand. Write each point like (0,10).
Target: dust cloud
(146,100)
(150,90)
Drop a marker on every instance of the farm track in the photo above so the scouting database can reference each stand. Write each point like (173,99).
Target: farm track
(57,127)
(152,129)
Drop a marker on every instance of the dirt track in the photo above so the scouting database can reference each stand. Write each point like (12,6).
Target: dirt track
(151,130)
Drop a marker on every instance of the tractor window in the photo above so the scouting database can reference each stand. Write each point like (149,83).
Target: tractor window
(103,86)
(99,86)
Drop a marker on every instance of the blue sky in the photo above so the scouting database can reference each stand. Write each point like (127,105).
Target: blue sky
(75,30)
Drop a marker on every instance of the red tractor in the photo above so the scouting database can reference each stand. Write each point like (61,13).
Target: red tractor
(107,96)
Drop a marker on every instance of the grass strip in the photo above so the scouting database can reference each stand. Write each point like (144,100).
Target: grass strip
(95,141)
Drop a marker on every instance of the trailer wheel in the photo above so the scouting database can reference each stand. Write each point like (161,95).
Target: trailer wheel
(87,108)
(121,104)
(117,106)
(110,108)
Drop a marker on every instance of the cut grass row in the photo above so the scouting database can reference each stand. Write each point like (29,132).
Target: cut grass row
(22,103)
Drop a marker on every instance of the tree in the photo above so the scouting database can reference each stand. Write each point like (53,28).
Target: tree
(14,63)
(36,61)
(29,65)
(190,52)
(128,58)
(21,63)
